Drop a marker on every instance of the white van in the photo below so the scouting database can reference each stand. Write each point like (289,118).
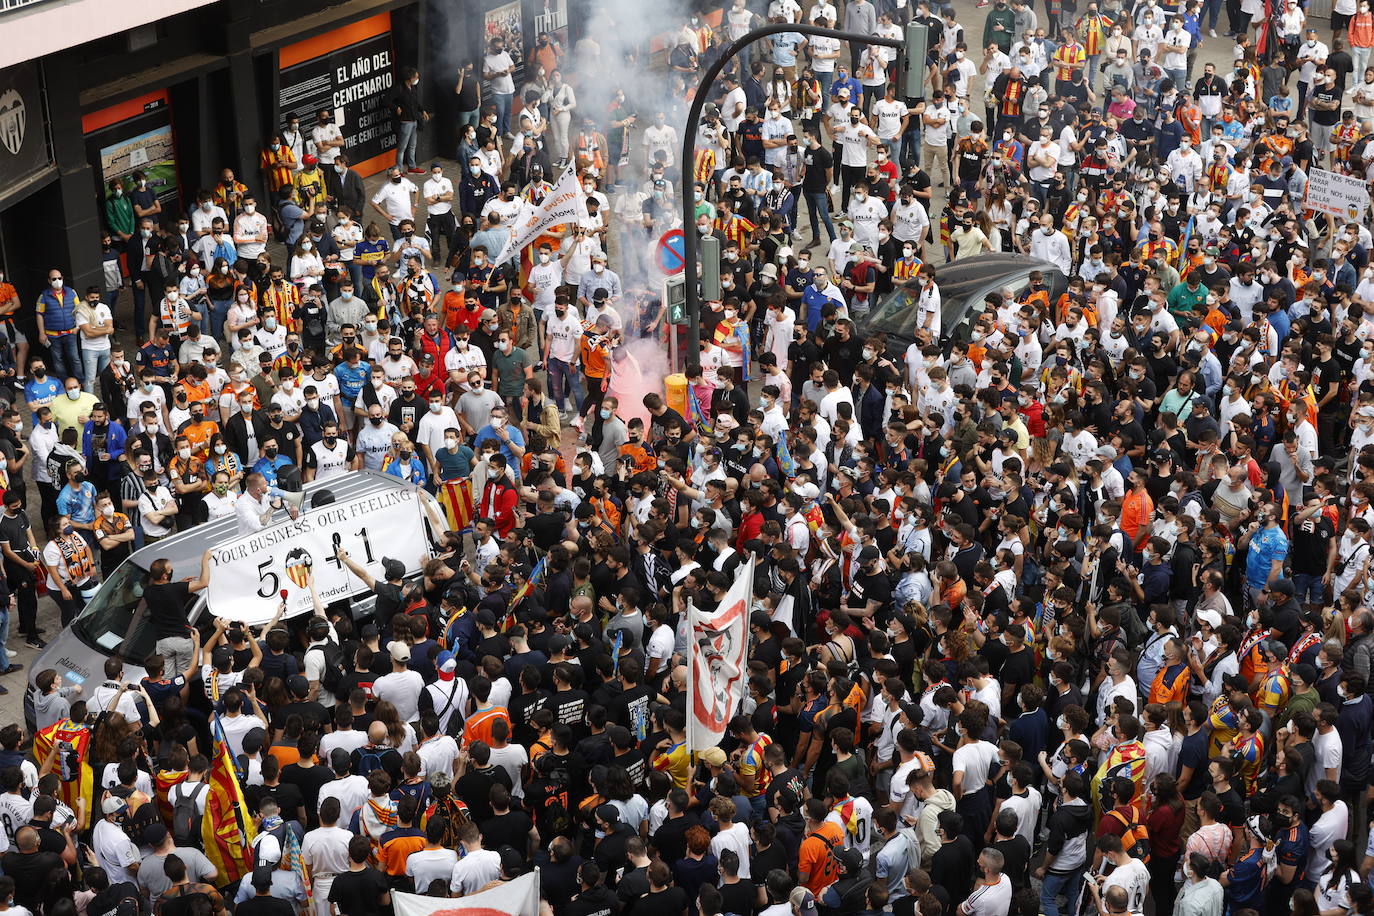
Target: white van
(115,621)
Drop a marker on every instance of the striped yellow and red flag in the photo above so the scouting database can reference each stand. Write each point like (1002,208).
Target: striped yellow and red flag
(76,782)
(456,498)
(163,780)
(226,829)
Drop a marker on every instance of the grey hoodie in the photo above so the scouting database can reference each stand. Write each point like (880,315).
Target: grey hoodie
(52,707)
(927,820)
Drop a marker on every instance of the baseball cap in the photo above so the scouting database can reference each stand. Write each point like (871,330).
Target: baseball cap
(393,569)
(804,901)
(1163,454)
(399,651)
(268,849)
(1211,618)
(869,554)
(488,314)
(113,805)
(806,489)
(713,756)
(310,159)
(262,877)
(1281,587)
(155,834)
(851,860)
(298,685)
(486,618)
(445,664)
(512,861)
(608,813)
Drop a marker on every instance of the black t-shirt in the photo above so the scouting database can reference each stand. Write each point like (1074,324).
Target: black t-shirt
(30,872)
(817,161)
(1287,622)
(741,897)
(1018,668)
(951,867)
(264,905)
(359,893)
(547,528)
(1312,545)
(509,829)
(671,837)
(522,706)
(1326,94)
(474,788)
(1016,852)
(167,607)
(309,780)
(287,795)
(672,900)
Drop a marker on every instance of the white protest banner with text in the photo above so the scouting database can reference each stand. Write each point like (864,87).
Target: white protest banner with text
(1335,194)
(519,897)
(566,203)
(249,573)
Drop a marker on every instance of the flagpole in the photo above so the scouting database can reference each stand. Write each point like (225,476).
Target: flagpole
(691,679)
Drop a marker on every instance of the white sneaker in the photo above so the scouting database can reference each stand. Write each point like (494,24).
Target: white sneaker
(1211,33)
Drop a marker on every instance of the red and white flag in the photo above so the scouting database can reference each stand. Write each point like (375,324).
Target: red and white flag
(718,646)
(512,898)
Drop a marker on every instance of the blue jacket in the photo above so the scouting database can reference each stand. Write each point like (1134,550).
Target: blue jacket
(115,437)
(59,314)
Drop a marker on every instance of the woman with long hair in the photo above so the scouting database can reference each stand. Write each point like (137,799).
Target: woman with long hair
(1333,890)
(399,735)
(1164,822)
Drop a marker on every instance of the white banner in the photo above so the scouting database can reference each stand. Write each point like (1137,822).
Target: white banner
(566,203)
(249,573)
(1346,196)
(513,898)
(716,656)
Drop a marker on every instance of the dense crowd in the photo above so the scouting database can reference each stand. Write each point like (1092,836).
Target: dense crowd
(1063,599)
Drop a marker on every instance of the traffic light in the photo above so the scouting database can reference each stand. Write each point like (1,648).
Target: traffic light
(913,75)
(710,269)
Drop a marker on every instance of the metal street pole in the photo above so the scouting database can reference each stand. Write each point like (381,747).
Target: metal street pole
(689,146)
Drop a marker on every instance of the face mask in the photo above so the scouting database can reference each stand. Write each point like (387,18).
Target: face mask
(605,413)
(451,444)
(74,393)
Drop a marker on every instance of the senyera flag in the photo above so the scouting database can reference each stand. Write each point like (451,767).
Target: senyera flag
(456,498)
(510,898)
(715,676)
(71,743)
(226,829)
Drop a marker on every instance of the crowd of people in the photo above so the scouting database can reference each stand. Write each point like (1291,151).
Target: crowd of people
(1063,599)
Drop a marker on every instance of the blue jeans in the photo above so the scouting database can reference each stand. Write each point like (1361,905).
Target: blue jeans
(66,356)
(94,363)
(818,204)
(1070,885)
(469,117)
(825,79)
(4,637)
(563,381)
(1180,77)
(219,310)
(405,145)
(502,101)
(1310,588)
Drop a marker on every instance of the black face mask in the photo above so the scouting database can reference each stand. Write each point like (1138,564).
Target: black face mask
(375,421)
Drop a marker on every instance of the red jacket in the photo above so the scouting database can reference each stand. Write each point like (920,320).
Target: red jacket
(437,348)
(498,503)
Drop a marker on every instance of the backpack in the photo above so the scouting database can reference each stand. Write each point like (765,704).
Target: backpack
(1136,839)
(369,759)
(186,816)
(186,904)
(332,677)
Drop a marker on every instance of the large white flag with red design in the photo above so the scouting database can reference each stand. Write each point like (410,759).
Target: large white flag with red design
(716,662)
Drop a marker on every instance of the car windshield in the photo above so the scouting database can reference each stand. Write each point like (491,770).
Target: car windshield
(107,623)
(898,313)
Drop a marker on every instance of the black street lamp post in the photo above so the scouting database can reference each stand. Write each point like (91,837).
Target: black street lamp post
(689,143)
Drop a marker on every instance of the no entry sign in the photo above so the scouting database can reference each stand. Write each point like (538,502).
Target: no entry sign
(671,258)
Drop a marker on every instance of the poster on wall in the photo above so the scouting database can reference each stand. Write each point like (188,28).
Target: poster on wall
(136,136)
(350,71)
(552,19)
(505,21)
(24,148)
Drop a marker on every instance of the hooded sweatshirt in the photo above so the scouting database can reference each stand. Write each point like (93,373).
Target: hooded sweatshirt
(928,821)
(1068,840)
